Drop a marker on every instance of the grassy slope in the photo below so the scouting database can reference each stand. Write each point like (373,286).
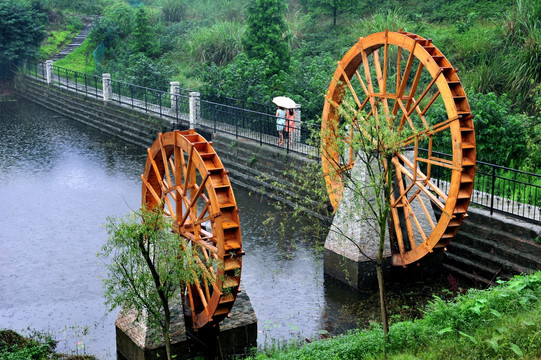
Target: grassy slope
(81,59)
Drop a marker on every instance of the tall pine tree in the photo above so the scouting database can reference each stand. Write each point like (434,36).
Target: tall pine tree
(267,35)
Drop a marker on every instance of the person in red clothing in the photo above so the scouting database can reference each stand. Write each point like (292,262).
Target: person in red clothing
(290,125)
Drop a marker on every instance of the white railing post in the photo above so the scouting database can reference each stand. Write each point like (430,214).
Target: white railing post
(107,90)
(297,133)
(49,71)
(195,109)
(174,91)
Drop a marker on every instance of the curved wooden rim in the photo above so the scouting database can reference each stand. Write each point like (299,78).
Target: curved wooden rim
(459,121)
(202,181)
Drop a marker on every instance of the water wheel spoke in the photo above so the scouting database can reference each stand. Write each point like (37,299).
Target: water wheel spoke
(404,116)
(385,61)
(417,102)
(430,102)
(432,130)
(407,109)
(369,84)
(164,159)
(149,187)
(417,224)
(404,79)
(348,83)
(199,188)
(405,207)
(382,83)
(424,208)
(421,184)
(398,230)
(363,85)
(188,173)
(398,69)
(163,185)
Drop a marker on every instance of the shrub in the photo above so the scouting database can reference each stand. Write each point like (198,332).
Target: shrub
(266,34)
(173,10)
(217,44)
(500,134)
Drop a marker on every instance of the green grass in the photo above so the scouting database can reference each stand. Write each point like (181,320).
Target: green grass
(81,59)
(55,42)
(503,322)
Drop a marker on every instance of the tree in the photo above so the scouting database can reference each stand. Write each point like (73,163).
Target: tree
(369,185)
(331,7)
(372,143)
(266,34)
(142,32)
(147,266)
(21,31)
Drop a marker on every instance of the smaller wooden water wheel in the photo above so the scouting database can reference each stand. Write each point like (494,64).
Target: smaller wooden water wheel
(184,174)
(405,79)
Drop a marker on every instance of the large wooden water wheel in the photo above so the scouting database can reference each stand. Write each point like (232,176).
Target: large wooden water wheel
(184,174)
(405,78)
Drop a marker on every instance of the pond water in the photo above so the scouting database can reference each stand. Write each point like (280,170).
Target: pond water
(61,179)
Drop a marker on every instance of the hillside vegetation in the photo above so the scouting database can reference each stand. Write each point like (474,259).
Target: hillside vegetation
(496,45)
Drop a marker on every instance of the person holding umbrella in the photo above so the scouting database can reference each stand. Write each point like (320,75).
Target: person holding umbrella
(283,103)
(280,122)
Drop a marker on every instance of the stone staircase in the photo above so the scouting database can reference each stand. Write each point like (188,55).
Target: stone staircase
(489,247)
(75,43)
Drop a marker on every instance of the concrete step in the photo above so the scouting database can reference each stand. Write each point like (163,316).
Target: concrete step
(474,277)
(498,222)
(100,125)
(479,228)
(126,127)
(74,44)
(91,107)
(528,255)
(479,260)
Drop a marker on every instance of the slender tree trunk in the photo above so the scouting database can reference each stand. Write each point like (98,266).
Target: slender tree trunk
(382,300)
(166,338)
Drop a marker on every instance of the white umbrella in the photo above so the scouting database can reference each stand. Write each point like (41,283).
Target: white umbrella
(285,102)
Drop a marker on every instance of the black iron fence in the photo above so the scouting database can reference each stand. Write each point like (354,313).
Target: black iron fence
(79,82)
(160,102)
(498,188)
(259,126)
(164,104)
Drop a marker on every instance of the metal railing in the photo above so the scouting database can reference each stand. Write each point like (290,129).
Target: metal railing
(258,126)
(77,81)
(498,188)
(150,100)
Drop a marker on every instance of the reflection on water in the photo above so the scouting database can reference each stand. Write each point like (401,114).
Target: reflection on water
(60,180)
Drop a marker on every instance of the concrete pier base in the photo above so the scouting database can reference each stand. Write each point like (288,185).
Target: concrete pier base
(136,341)
(352,244)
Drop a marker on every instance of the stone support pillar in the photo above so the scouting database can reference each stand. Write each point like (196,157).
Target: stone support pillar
(352,244)
(353,241)
(195,109)
(107,89)
(174,91)
(297,132)
(49,71)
